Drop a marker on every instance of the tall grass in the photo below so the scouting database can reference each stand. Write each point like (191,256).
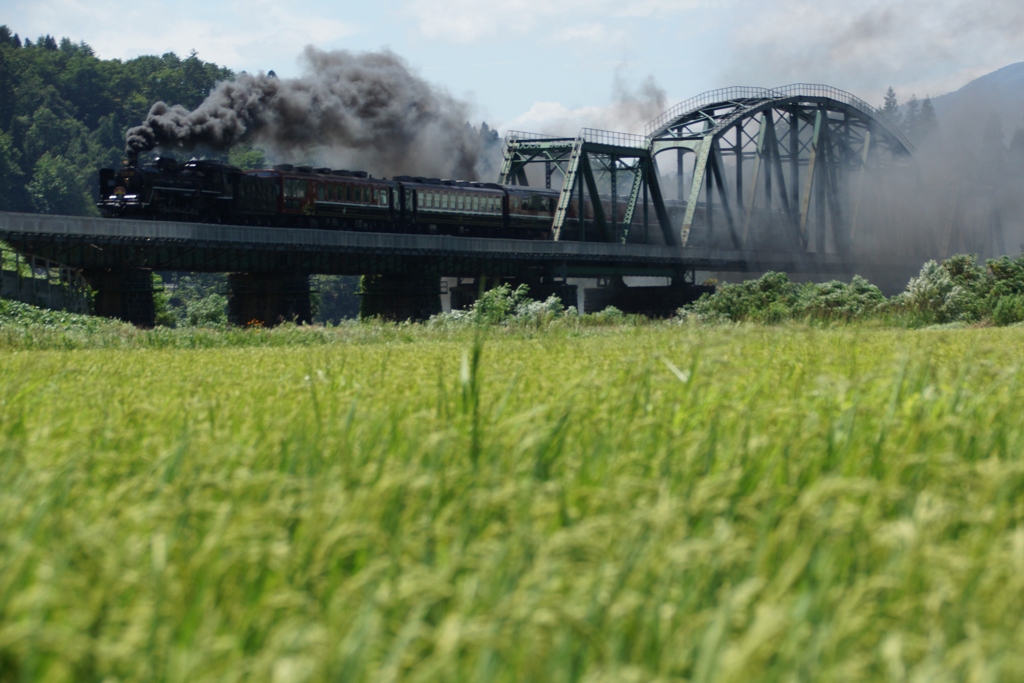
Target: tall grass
(638,503)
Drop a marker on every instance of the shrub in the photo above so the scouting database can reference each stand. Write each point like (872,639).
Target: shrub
(495,305)
(211,310)
(504,305)
(837,300)
(1009,310)
(1007,277)
(750,300)
(952,291)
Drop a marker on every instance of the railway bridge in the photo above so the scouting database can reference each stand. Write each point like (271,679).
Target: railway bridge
(763,179)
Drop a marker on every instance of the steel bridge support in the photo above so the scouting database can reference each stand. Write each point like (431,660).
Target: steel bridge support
(593,167)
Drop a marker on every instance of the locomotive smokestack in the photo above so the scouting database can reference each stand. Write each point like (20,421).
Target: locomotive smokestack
(365,107)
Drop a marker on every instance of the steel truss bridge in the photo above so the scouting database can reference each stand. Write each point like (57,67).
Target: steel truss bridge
(780,169)
(765,179)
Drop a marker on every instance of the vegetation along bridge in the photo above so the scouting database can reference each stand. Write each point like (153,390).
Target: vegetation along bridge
(764,179)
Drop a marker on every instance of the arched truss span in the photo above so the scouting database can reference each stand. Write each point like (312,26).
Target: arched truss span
(780,168)
(782,165)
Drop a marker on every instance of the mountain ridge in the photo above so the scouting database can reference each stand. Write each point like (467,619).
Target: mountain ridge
(1000,92)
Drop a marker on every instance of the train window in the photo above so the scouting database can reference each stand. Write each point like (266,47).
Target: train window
(383,197)
(476,203)
(320,192)
(444,201)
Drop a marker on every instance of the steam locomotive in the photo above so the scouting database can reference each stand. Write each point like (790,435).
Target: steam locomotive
(302,196)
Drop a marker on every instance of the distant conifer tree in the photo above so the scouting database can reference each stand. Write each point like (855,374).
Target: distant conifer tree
(891,107)
(912,117)
(926,122)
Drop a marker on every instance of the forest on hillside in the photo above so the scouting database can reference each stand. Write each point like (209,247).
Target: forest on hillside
(64,112)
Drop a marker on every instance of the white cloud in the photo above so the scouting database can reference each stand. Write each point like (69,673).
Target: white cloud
(629,111)
(253,35)
(923,46)
(591,32)
(472,21)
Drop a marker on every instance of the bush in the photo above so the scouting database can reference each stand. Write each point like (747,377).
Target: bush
(837,300)
(750,300)
(953,291)
(1007,277)
(211,310)
(1009,310)
(504,305)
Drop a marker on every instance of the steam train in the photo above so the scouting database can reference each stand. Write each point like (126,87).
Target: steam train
(302,196)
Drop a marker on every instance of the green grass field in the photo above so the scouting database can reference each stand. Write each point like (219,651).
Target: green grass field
(634,503)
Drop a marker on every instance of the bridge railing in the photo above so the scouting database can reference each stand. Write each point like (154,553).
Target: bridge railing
(614,139)
(819,90)
(41,282)
(524,136)
(739,92)
(725,95)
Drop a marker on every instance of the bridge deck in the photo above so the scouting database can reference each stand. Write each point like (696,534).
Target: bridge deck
(82,242)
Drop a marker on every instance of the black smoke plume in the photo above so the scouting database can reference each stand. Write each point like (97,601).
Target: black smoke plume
(367,108)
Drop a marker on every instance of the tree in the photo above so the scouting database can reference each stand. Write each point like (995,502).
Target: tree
(7,96)
(926,122)
(49,133)
(891,107)
(57,188)
(993,153)
(1016,152)
(912,118)
(12,180)
(7,39)
(247,158)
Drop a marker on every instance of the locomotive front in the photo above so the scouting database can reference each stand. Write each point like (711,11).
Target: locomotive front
(122,191)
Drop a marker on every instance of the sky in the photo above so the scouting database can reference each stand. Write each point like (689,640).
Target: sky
(557,65)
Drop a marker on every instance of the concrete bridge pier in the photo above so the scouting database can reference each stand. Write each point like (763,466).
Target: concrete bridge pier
(123,293)
(268,298)
(407,296)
